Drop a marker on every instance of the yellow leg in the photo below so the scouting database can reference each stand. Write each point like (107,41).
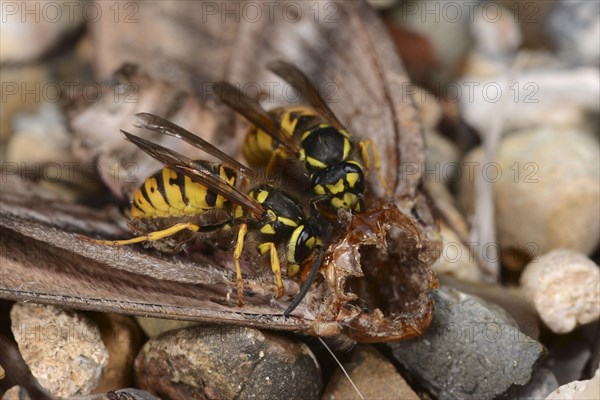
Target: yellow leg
(275,267)
(239,246)
(151,237)
(279,153)
(364,146)
(276,270)
(293,269)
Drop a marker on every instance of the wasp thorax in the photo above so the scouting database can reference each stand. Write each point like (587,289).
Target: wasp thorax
(323,146)
(283,214)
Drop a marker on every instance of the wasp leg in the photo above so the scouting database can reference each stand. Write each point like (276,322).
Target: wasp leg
(151,237)
(364,146)
(323,210)
(239,246)
(275,267)
(278,154)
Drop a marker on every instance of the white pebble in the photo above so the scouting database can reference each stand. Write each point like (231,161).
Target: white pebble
(531,98)
(31,29)
(578,390)
(563,286)
(546,190)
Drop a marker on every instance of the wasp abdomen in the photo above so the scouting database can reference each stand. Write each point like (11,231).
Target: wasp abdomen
(170,194)
(259,146)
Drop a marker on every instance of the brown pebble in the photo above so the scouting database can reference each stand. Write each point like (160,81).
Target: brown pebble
(223,362)
(373,375)
(155,326)
(123,339)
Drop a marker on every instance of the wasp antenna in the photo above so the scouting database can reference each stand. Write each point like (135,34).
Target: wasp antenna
(309,280)
(342,367)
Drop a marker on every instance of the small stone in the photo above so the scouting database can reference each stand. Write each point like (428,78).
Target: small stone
(442,160)
(563,287)
(574,26)
(578,390)
(472,350)
(428,107)
(496,43)
(447,207)
(569,354)
(594,363)
(373,375)
(456,259)
(155,326)
(19,94)
(16,393)
(39,25)
(40,137)
(509,298)
(40,148)
(123,339)
(227,362)
(122,394)
(63,349)
(540,386)
(542,96)
(546,191)
(449,36)
(498,37)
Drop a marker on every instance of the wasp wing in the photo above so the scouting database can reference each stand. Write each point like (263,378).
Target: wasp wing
(157,124)
(254,113)
(198,173)
(305,88)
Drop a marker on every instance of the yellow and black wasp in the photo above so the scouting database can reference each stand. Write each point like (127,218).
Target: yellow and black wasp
(311,134)
(200,197)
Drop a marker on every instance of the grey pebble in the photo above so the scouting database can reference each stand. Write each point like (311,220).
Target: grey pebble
(473,350)
(568,356)
(223,362)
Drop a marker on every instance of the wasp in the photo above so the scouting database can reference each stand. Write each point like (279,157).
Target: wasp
(201,198)
(313,135)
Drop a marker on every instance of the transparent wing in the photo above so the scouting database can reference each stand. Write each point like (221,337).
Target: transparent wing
(254,113)
(305,88)
(198,173)
(157,124)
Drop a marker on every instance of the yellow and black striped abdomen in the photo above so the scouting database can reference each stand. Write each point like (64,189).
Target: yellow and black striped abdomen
(294,121)
(169,194)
